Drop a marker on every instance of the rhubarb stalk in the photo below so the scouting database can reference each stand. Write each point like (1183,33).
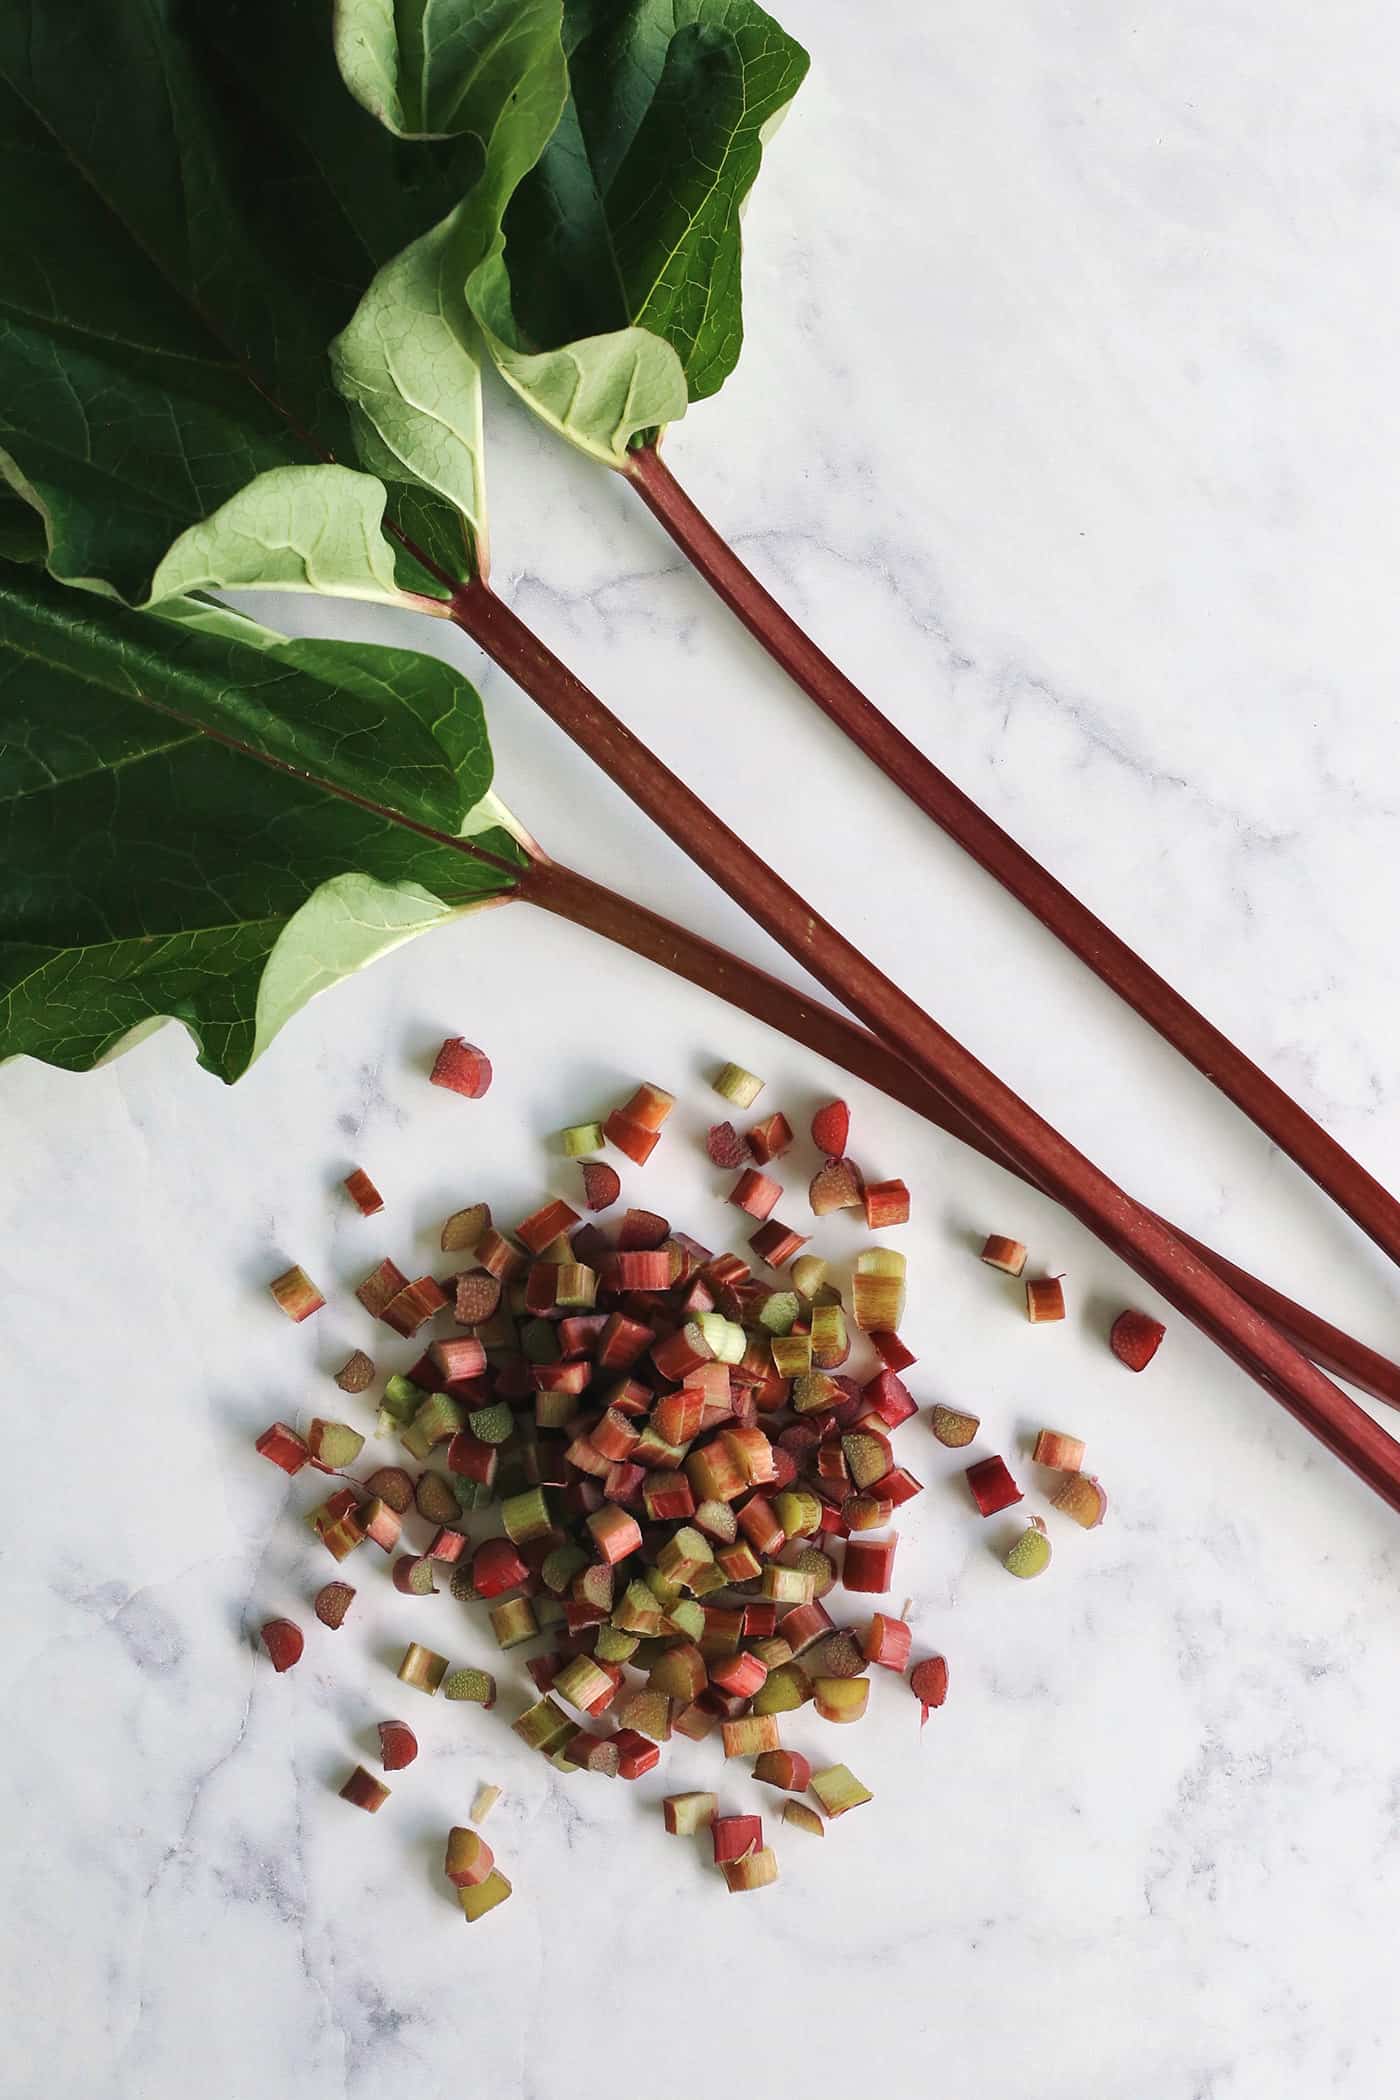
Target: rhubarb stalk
(1117,965)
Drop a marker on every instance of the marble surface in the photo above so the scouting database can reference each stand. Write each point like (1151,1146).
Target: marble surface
(1067,420)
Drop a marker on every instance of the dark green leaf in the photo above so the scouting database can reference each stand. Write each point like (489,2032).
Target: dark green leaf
(631,218)
(193,209)
(148,869)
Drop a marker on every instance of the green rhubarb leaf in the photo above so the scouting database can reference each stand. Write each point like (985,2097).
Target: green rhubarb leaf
(177,834)
(194,208)
(618,297)
(490,73)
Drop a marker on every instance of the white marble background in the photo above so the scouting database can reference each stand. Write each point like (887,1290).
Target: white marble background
(1068,420)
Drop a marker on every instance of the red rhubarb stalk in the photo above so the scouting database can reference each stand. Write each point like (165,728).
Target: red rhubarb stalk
(1295,1132)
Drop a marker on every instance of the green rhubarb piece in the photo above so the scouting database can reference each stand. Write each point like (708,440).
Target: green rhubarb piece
(650,1714)
(549,1613)
(485,1896)
(545,1725)
(493,1424)
(422,1668)
(582,1138)
(738,1087)
(437,1419)
(514,1621)
(684,1555)
(582,1683)
(539,1344)
(805,1818)
(638,1610)
(684,1814)
(799,1512)
(402,1398)
(1029,1556)
(477,1687)
(666,1591)
(687,1618)
(526,1516)
(335,1444)
(838,1790)
(725,1337)
(778,1312)
(792,1355)
(783,1690)
(612,1644)
(561,1565)
(472,1494)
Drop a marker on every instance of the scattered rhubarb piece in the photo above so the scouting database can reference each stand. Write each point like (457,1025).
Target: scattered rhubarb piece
(831,1343)
(546,1224)
(462,1068)
(363,1790)
(887,1642)
(877,1289)
(475,1687)
(886,1203)
(398,1745)
(332,1602)
(787,1769)
(392,1485)
(756,1193)
(381,1523)
(336,1523)
(776,1243)
(740,1088)
(497,1566)
(1029,1555)
(835,1186)
(928,1681)
(356,1374)
(544,1726)
(838,1790)
(1135,1338)
(770,1138)
(1007,1255)
(462,1231)
(869,1563)
(601,1184)
(414,1304)
(1082,1498)
(636,1754)
(631,1139)
(1063,1454)
(1045,1299)
(831,1126)
(750,1735)
(892,1352)
(422,1668)
(992,1486)
(725,1146)
(413,1575)
(296,1294)
(333,1445)
(684,1814)
(754,1871)
(809,1274)
(953,1428)
(486,1799)
(363,1193)
(733,1836)
(805,1818)
(469,1858)
(580,1139)
(284,1643)
(485,1896)
(381,1287)
(649,1106)
(284,1447)
(839,1654)
(841,1698)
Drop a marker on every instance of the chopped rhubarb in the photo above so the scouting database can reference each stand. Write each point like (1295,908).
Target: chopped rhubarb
(380,1288)
(546,1224)
(380,1522)
(841,1698)
(869,1564)
(413,1575)
(486,1799)
(496,1254)
(953,1428)
(886,1203)
(838,1790)
(392,1485)
(1082,1498)
(497,1567)
(1135,1338)
(615,1534)
(284,1447)
(333,1600)
(649,1106)
(462,1068)
(478,1295)
(333,1445)
(831,1126)
(356,1374)
(422,1668)
(632,1139)
(684,1814)
(363,1193)
(469,1858)
(476,1902)
(1029,1555)
(398,1745)
(580,1139)
(749,1735)
(296,1294)
(831,1343)
(733,1836)
(1063,1454)
(754,1871)
(877,1289)
(928,1681)
(891,1351)
(460,1357)
(544,1726)
(887,1642)
(770,1138)
(725,1146)
(776,1243)
(740,1088)
(1007,1255)
(462,1231)
(475,1687)
(602,1184)
(1045,1299)
(636,1754)
(992,1486)
(805,1818)
(415,1303)
(336,1523)
(363,1790)
(284,1643)
(835,1186)
(787,1769)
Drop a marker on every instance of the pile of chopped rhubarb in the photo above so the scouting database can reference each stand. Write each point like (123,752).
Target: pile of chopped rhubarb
(651,1465)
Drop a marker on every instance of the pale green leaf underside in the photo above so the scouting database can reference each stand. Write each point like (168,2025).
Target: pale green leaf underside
(292,529)
(599,393)
(148,869)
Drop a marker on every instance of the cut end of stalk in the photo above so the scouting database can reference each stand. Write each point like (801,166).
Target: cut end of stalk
(462,1069)
(1135,1338)
(1007,1255)
(296,1294)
